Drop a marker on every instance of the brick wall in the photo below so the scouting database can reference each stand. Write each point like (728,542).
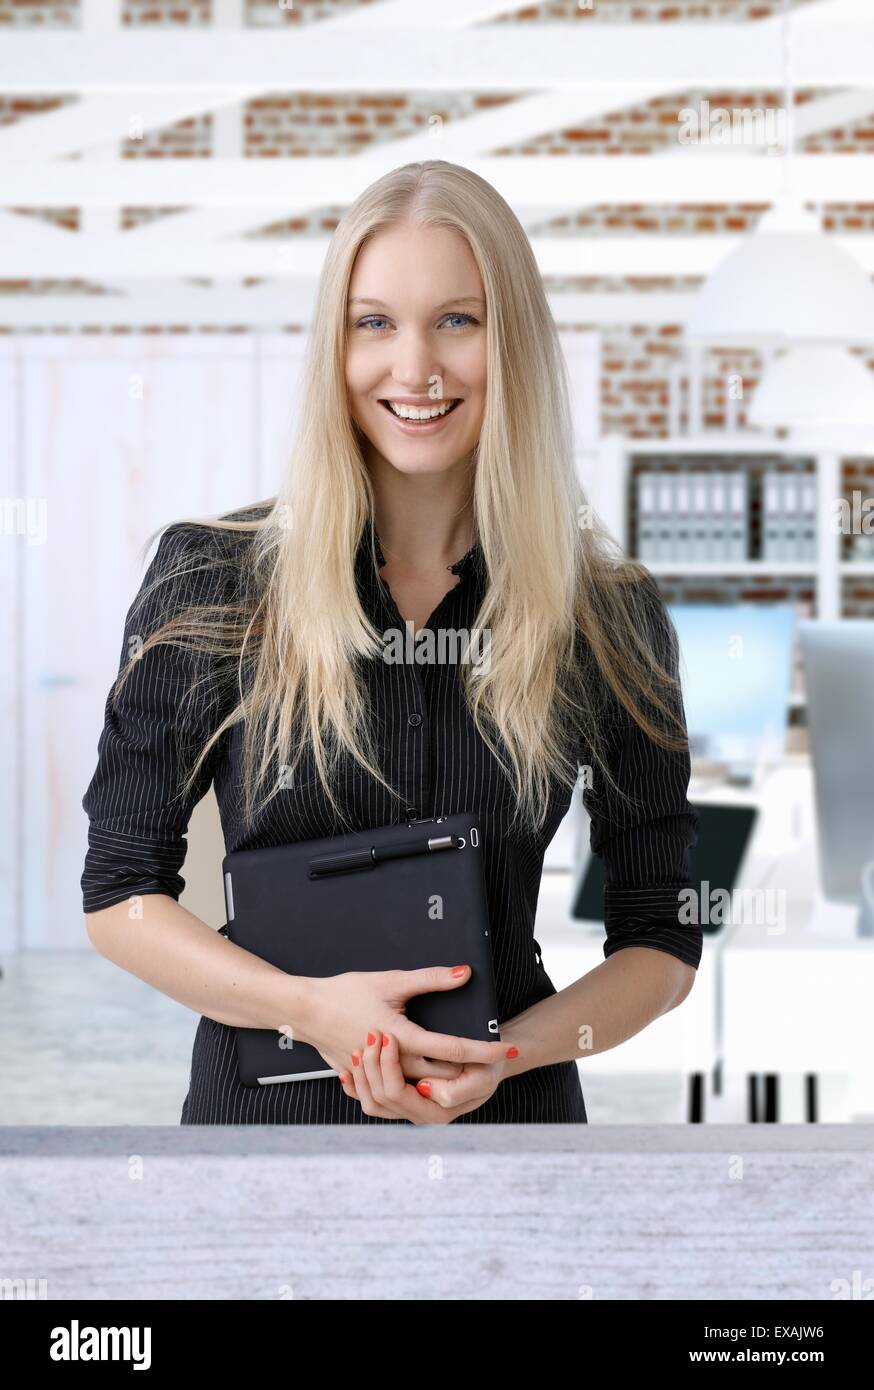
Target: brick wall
(637,358)
(270,13)
(652,11)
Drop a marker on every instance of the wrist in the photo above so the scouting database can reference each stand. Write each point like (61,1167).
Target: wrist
(298,1005)
(516,1033)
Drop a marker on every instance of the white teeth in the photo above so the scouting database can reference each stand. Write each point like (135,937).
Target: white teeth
(419,412)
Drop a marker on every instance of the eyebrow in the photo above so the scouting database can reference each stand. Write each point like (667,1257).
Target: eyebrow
(462,299)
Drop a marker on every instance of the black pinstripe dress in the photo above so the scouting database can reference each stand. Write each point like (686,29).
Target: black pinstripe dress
(431,751)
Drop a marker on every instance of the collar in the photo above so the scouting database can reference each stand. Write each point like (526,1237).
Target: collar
(472,562)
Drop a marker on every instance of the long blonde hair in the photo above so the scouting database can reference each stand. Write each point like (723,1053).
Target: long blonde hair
(569,620)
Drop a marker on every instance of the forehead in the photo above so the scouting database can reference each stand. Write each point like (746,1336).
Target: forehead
(414,265)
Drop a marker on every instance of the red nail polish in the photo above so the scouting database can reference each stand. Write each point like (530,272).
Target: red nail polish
(385,1040)
(355,1059)
(459,970)
(343,1077)
(513,1052)
(371,1039)
(424,1089)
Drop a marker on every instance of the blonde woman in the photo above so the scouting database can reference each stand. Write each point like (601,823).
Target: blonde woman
(431,489)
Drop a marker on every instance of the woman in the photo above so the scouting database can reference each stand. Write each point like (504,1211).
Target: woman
(432,483)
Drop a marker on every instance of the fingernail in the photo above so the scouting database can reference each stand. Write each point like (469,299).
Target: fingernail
(371,1039)
(385,1040)
(355,1059)
(424,1089)
(343,1077)
(459,970)
(513,1052)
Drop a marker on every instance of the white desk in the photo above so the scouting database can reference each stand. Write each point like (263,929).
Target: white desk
(685,1039)
(788,990)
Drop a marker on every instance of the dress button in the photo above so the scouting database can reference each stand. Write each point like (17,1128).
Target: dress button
(412,812)
(414,720)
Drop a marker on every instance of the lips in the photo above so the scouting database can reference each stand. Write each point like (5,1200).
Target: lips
(428,420)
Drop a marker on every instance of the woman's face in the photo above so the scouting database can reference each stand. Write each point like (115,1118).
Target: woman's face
(416,338)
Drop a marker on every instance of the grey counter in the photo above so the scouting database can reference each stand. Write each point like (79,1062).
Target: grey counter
(462,1212)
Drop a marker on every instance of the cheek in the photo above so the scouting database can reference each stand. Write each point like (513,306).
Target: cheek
(473,372)
(361,372)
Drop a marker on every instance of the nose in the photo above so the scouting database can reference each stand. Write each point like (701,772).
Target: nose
(414,369)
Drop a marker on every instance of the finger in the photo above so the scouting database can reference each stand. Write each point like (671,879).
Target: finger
(413,1065)
(347,1082)
(474,1086)
(362,1086)
(400,1096)
(448,1047)
(371,1067)
(406,984)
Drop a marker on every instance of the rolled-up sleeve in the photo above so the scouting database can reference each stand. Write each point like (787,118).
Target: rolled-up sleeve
(137,818)
(645,845)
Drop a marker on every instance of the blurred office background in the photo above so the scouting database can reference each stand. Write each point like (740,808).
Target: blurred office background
(695,180)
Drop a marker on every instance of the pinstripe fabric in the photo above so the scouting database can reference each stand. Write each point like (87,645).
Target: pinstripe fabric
(429,749)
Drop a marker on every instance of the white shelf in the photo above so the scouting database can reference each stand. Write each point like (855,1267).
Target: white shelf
(742,442)
(609,478)
(862,567)
(733,568)
(718,442)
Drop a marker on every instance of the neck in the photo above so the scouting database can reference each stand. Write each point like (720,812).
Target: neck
(424,522)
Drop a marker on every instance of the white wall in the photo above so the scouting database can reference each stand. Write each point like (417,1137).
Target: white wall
(119,436)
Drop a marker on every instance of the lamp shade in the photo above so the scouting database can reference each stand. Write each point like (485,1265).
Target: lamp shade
(786,283)
(813,387)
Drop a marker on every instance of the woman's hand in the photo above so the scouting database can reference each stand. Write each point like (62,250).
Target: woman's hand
(376,1080)
(344,1008)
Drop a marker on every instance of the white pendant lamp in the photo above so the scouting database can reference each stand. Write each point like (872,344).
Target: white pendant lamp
(786,283)
(815,387)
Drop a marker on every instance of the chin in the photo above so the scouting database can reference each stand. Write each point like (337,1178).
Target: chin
(405,464)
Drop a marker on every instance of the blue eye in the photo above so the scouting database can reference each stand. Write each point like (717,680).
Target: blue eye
(379,318)
(469,317)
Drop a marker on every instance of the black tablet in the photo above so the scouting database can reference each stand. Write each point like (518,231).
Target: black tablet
(398,897)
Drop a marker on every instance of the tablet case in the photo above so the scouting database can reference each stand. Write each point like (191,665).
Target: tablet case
(397,897)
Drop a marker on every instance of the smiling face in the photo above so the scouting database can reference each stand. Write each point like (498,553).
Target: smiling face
(416,348)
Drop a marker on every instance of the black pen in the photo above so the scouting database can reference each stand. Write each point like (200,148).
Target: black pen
(365,858)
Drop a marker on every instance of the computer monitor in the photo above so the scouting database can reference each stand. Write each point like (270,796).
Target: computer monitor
(736,673)
(839,678)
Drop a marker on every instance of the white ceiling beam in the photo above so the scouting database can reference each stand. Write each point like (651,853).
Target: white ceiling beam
(228,136)
(48,240)
(119,258)
(506,57)
(99,221)
(103,117)
(832,112)
(233,308)
(829,12)
(276,189)
(459,140)
(412,14)
(107,118)
(99,16)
